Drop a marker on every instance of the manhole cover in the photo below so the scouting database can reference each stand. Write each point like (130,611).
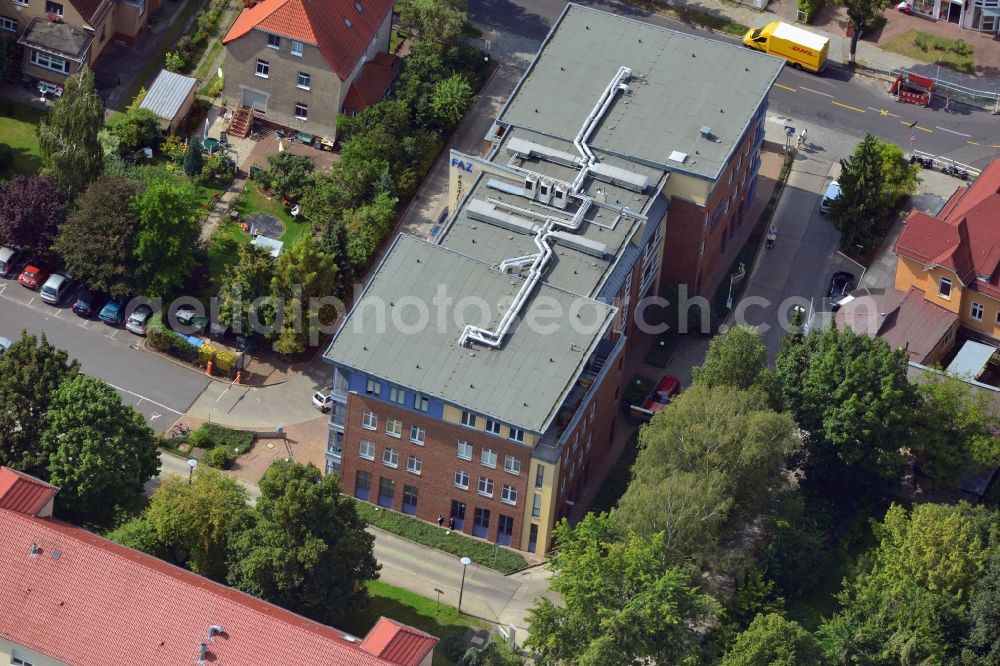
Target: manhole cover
(270,446)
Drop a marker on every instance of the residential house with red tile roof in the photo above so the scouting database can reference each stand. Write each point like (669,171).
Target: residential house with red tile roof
(60,36)
(953,258)
(296,62)
(70,597)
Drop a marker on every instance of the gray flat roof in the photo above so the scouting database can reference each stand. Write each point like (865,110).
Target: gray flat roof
(167,94)
(681,83)
(522,383)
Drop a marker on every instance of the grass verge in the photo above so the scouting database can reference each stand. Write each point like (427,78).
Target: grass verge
(456,543)
(616,482)
(17,129)
(954,53)
(442,621)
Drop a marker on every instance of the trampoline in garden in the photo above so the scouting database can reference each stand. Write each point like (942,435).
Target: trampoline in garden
(262,224)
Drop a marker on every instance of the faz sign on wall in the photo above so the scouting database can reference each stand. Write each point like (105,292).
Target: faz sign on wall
(461,164)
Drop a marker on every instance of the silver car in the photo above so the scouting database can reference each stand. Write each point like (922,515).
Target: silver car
(138,321)
(56,288)
(5,344)
(9,258)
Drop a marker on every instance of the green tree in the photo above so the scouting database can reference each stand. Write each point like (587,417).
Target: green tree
(451,98)
(139,533)
(909,606)
(287,174)
(862,14)
(31,371)
(193,161)
(861,206)
(956,427)
(712,458)
(851,395)
(737,358)
(308,550)
(304,280)
(199,520)
(901,177)
(97,241)
(622,602)
(439,20)
(366,227)
(771,640)
(169,227)
(137,129)
(102,450)
(983,643)
(67,135)
(246,289)
(333,242)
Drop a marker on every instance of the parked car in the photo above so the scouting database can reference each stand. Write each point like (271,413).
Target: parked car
(322,401)
(665,389)
(56,288)
(832,192)
(9,259)
(113,312)
(5,344)
(138,321)
(35,273)
(89,302)
(841,283)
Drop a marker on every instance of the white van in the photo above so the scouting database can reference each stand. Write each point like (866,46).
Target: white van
(832,192)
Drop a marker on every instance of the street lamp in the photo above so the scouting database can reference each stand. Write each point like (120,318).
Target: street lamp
(192,463)
(465,565)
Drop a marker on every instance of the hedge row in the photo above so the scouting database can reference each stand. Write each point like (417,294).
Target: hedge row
(809,8)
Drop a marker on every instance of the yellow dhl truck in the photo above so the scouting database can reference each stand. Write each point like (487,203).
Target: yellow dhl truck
(799,47)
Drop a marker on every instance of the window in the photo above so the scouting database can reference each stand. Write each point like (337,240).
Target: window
(357,5)
(516,434)
(417,435)
(493,426)
(20,2)
(296,48)
(536,506)
(8,24)
(485,486)
(505,529)
(390,458)
(47,61)
(462,480)
(363,485)
(369,421)
(508,494)
(386,492)
(512,464)
(347,22)
(977,311)
(421,403)
(394,427)
(397,395)
(998,317)
(465,451)
(263,68)
(273,41)
(539,476)
(53,8)
(301,111)
(410,494)
(413,464)
(944,288)
(481,522)
(366,450)
(17,659)
(469,419)
(102,34)
(305,81)
(374,388)
(488,457)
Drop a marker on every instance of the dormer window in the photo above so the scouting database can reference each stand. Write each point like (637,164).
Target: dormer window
(944,288)
(347,22)
(984,278)
(357,5)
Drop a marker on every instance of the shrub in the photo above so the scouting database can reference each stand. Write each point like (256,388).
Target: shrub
(173,147)
(920,41)
(961,48)
(6,157)
(218,458)
(453,647)
(215,89)
(809,8)
(212,435)
(175,62)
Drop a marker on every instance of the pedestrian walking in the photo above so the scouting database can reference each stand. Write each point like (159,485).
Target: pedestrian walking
(451,523)
(801,143)
(441,521)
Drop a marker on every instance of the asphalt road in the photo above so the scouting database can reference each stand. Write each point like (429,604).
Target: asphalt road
(156,387)
(835,100)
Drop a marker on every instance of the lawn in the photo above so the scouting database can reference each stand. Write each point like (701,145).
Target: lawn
(953,53)
(255,202)
(456,543)
(17,130)
(412,609)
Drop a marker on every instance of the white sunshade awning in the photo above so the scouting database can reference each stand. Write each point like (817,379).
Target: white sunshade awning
(971,359)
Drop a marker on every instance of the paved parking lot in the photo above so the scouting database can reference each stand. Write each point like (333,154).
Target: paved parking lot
(156,387)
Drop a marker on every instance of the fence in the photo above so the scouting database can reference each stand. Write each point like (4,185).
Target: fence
(939,161)
(985,99)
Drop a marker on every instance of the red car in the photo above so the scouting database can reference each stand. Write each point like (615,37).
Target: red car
(35,274)
(665,389)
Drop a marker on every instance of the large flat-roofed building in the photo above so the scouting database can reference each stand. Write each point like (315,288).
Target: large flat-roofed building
(478,377)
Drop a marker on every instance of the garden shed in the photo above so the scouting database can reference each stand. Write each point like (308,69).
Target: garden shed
(170,97)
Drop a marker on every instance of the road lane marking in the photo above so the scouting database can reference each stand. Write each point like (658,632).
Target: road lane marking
(788,88)
(973,143)
(815,91)
(915,126)
(846,106)
(142,397)
(945,129)
(883,112)
(31,301)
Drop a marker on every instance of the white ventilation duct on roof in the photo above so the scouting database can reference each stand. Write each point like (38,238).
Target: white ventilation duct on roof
(619,82)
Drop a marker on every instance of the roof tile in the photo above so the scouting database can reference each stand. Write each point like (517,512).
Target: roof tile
(397,642)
